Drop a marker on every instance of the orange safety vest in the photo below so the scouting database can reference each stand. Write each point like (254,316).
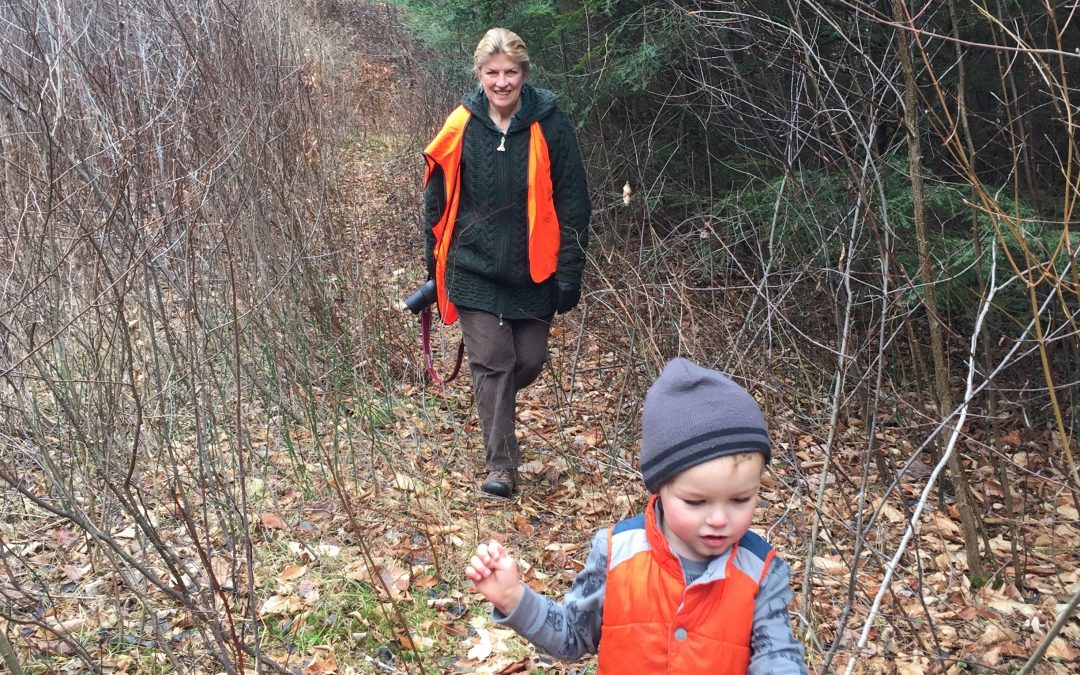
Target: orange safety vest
(445,152)
(654,623)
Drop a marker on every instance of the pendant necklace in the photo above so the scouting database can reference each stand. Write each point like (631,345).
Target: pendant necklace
(502,144)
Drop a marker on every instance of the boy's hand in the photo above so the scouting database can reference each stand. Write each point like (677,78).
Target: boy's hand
(495,574)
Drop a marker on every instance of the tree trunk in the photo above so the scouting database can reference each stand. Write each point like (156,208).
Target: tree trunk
(926,272)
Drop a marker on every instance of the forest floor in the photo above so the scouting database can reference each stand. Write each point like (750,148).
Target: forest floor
(363,573)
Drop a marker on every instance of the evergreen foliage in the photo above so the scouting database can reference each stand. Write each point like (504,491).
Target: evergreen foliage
(764,121)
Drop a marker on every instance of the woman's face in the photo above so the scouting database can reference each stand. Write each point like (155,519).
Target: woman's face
(502,77)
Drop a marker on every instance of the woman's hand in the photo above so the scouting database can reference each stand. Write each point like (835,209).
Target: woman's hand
(496,575)
(567,298)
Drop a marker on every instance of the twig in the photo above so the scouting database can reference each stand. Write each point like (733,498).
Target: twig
(913,523)
(8,652)
(1065,615)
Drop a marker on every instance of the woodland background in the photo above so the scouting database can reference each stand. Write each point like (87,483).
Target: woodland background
(220,452)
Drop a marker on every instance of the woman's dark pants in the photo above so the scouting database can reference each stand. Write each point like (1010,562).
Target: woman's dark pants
(505,355)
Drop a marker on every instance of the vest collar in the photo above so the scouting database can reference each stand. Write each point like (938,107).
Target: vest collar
(667,559)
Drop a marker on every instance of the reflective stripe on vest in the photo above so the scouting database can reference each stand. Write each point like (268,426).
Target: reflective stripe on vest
(544,236)
(654,623)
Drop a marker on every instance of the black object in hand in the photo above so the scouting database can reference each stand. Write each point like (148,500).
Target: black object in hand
(424,296)
(567,298)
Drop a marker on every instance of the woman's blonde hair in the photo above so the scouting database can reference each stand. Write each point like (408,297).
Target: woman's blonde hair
(501,41)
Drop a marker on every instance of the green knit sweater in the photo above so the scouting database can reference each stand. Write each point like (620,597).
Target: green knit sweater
(488,261)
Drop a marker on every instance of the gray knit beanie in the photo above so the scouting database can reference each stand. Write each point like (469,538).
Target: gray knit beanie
(693,414)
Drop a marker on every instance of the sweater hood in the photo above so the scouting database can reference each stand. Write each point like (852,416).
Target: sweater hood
(536,104)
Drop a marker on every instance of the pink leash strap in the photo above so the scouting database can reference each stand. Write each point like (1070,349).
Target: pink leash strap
(425,336)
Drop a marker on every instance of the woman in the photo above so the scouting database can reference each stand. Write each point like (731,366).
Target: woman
(506,214)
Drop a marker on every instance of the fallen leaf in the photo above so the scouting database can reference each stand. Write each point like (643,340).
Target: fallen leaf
(279,604)
(396,580)
(991,657)
(944,524)
(308,591)
(520,666)
(1068,511)
(292,572)
(533,468)
(1059,649)
(321,663)
(1012,438)
(272,521)
(831,565)
(482,649)
(592,437)
(522,525)
(76,572)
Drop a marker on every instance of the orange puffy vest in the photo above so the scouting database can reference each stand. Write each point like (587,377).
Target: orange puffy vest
(654,623)
(445,152)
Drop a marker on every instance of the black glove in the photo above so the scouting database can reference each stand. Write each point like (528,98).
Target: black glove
(567,296)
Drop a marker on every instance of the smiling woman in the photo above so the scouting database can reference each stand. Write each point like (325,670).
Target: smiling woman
(506,221)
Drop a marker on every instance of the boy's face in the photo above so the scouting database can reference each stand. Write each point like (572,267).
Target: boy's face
(709,507)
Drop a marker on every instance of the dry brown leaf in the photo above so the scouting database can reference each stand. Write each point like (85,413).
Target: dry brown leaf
(1060,649)
(592,437)
(308,591)
(75,573)
(396,579)
(991,657)
(279,604)
(944,524)
(322,663)
(533,468)
(522,525)
(521,666)
(292,572)
(831,565)
(272,521)
(1068,511)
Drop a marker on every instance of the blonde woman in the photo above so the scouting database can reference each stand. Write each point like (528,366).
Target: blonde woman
(506,216)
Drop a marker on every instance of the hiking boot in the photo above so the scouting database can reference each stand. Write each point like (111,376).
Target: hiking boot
(500,482)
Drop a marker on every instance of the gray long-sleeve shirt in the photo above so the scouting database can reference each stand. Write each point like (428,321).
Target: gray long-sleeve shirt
(571,629)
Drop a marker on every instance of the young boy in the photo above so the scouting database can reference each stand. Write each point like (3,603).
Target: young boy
(684,587)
